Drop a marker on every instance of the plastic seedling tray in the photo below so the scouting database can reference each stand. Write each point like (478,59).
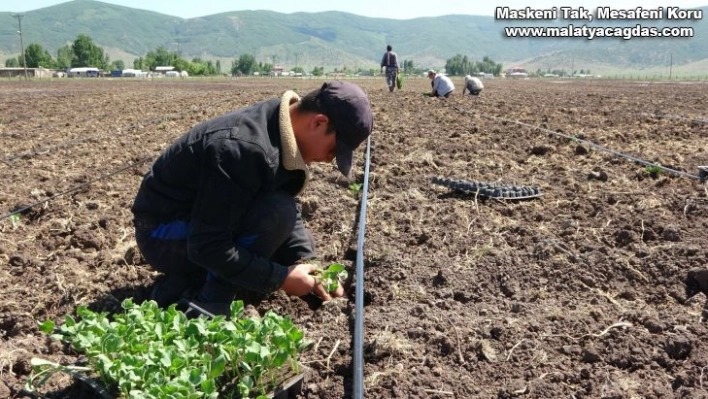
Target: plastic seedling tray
(490,190)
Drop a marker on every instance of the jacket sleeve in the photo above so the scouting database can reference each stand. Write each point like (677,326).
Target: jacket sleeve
(231,177)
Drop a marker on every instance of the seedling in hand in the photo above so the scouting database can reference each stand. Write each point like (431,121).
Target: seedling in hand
(331,276)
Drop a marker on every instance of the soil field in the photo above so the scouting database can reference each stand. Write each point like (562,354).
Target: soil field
(595,289)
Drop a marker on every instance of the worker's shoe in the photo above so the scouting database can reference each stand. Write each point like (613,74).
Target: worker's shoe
(172,289)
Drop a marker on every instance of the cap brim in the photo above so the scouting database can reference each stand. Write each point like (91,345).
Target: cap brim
(344,156)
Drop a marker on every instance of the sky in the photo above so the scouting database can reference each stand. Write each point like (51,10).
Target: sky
(367,8)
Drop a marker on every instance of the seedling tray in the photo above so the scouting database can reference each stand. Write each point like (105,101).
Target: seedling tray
(88,388)
(490,190)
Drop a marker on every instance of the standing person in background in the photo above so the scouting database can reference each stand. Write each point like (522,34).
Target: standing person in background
(390,62)
(442,85)
(473,84)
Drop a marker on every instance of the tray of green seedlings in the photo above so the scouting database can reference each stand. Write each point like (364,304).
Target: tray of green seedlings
(489,190)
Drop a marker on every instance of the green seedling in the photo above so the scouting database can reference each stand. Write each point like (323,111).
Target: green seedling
(149,352)
(15,219)
(654,169)
(331,276)
(355,188)
(42,370)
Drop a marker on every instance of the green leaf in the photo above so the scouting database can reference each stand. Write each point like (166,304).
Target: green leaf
(217,366)
(196,376)
(47,327)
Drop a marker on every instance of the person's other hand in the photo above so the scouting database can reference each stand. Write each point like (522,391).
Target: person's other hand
(300,282)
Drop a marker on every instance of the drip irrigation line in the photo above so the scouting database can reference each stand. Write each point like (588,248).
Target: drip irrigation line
(359,289)
(74,189)
(596,146)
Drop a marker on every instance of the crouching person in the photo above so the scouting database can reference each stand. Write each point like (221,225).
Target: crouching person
(216,212)
(473,84)
(441,84)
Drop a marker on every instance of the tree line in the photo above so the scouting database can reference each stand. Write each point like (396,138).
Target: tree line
(82,52)
(462,65)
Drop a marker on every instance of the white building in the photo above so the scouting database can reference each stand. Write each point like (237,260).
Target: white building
(84,72)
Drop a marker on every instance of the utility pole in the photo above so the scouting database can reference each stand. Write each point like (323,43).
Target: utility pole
(671,65)
(22,45)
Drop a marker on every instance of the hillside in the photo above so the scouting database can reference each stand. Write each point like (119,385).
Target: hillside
(336,39)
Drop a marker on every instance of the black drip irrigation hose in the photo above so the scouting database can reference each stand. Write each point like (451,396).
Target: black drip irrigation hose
(72,190)
(596,146)
(359,289)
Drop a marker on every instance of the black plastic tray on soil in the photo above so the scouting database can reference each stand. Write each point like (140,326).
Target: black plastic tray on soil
(490,190)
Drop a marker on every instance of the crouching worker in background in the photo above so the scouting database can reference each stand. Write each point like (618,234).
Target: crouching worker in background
(473,84)
(442,85)
(216,213)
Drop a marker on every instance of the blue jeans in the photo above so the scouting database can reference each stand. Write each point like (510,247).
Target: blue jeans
(272,228)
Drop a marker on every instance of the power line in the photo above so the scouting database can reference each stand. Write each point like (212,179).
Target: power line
(22,45)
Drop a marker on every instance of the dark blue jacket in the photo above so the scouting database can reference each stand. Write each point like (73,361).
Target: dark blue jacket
(209,178)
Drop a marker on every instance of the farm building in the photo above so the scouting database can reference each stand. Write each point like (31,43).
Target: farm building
(133,73)
(164,69)
(85,72)
(20,72)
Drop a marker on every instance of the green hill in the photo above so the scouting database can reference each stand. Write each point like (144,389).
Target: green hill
(336,39)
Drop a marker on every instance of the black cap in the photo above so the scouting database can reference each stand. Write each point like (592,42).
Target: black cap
(348,109)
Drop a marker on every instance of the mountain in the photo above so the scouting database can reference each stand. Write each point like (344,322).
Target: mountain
(337,39)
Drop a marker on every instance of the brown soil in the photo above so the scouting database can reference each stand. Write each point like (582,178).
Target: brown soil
(582,293)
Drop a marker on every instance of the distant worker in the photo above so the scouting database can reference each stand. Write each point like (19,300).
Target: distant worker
(473,84)
(442,85)
(390,62)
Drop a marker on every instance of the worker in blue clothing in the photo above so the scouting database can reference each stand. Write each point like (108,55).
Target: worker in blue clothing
(216,212)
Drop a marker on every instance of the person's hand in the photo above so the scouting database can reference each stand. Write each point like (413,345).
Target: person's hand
(300,282)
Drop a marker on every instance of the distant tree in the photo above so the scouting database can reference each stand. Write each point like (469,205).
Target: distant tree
(87,54)
(298,69)
(64,56)
(160,57)
(12,63)
(461,65)
(234,68)
(37,56)
(117,65)
(318,71)
(138,63)
(218,67)
(408,66)
(211,68)
(181,64)
(197,68)
(266,68)
(246,63)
